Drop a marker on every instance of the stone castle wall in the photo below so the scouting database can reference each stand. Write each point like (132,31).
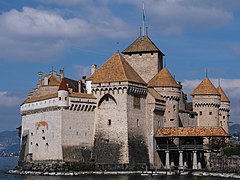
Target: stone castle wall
(172,97)
(207,108)
(77,135)
(147,65)
(111,139)
(44,134)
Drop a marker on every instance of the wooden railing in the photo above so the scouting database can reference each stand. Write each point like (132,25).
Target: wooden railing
(182,147)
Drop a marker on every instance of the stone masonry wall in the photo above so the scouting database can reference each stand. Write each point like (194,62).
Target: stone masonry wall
(44,134)
(137,131)
(77,135)
(207,108)
(111,140)
(147,65)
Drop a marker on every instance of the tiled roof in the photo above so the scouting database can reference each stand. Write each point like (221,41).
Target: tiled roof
(142,44)
(72,84)
(52,81)
(82,95)
(116,69)
(40,98)
(224,97)
(163,79)
(155,94)
(63,85)
(191,132)
(205,88)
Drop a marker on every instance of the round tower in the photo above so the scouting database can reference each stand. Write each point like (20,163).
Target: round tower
(63,94)
(224,110)
(170,90)
(206,102)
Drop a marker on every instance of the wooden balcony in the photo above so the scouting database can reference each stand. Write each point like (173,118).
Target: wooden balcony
(172,147)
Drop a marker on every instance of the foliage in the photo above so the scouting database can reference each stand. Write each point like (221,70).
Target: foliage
(232,150)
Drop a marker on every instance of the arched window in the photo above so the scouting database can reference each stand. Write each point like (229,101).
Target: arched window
(107,98)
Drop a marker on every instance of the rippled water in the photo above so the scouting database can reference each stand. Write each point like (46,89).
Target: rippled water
(9,163)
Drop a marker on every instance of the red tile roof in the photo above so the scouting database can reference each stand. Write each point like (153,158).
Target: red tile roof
(116,69)
(205,88)
(163,79)
(191,132)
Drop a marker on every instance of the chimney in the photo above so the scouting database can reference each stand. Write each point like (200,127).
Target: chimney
(93,68)
(80,86)
(84,79)
(40,78)
(61,73)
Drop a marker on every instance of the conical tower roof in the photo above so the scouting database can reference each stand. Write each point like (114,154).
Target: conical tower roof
(116,69)
(142,44)
(163,79)
(224,97)
(63,85)
(205,88)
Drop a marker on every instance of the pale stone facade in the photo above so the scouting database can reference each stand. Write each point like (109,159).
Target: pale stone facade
(116,116)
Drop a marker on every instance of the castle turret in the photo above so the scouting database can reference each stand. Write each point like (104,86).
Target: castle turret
(206,102)
(63,94)
(170,90)
(145,58)
(224,110)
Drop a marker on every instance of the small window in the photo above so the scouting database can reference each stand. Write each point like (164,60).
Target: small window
(31,133)
(31,143)
(191,115)
(60,98)
(107,140)
(65,98)
(171,119)
(136,102)
(140,54)
(109,122)
(168,111)
(220,123)
(210,113)
(151,53)
(223,117)
(43,131)
(43,138)
(138,122)
(46,144)
(174,106)
(37,144)
(200,113)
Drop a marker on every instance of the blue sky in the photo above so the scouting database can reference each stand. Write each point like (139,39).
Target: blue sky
(38,35)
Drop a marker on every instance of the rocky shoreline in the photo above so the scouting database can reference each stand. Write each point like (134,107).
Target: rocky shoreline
(143,173)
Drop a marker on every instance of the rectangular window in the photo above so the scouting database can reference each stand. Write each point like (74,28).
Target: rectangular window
(210,113)
(109,122)
(136,102)
(200,113)
(137,122)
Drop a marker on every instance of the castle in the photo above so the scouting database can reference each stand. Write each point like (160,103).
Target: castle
(129,113)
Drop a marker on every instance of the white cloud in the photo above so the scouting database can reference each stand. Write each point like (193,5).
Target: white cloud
(34,34)
(7,100)
(231,88)
(81,71)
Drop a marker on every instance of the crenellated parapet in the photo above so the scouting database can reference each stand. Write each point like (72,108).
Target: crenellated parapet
(121,88)
(224,109)
(206,104)
(171,98)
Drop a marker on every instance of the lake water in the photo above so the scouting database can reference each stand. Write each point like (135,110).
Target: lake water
(10,162)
